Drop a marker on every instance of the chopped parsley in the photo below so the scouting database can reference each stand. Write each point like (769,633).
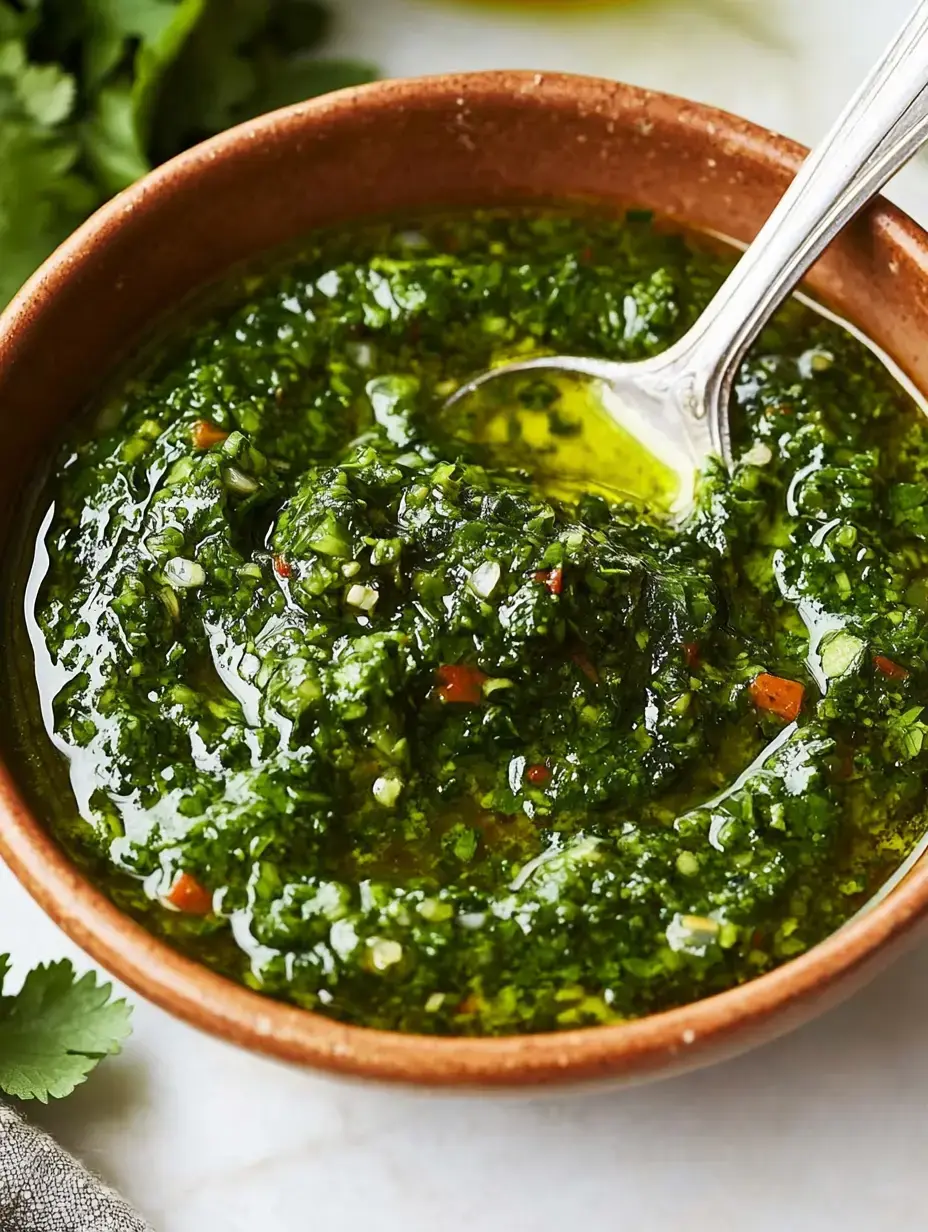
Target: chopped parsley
(402,717)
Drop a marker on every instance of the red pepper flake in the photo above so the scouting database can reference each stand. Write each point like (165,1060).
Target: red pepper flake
(538,775)
(781,697)
(553,579)
(460,683)
(470,1004)
(282,567)
(206,435)
(582,661)
(890,669)
(586,255)
(189,896)
(691,653)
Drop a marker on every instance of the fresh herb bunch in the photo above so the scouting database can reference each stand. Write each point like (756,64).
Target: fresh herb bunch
(93,93)
(55,1030)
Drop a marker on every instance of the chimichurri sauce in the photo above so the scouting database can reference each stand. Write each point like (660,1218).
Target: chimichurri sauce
(396,716)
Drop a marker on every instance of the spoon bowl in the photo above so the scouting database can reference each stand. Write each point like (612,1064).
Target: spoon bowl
(662,440)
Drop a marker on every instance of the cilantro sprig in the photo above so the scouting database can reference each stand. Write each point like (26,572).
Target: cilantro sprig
(93,93)
(56,1030)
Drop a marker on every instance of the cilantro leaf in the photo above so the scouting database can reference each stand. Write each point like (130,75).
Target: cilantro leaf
(154,58)
(210,78)
(47,93)
(245,57)
(283,80)
(56,1030)
(111,140)
(43,194)
(110,24)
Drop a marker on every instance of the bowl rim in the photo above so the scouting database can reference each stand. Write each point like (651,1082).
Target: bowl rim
(677,1037)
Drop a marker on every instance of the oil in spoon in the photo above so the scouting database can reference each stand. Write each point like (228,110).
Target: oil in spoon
(556,426)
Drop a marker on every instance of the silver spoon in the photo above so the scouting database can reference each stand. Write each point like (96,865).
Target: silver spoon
(676,404)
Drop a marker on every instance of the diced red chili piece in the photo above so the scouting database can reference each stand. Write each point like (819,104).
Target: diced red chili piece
(553,579)
(282,567)
(890,669)
(189,896)
(779,696)
(691,654)
(583,662)
(538,775)
(460,683)
(206,435)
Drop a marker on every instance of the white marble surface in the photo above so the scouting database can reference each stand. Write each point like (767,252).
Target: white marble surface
(821,1131)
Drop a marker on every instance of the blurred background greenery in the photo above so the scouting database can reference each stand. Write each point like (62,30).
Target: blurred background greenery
(93,93)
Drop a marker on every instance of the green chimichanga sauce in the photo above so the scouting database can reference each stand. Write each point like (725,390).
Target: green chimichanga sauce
(416,731)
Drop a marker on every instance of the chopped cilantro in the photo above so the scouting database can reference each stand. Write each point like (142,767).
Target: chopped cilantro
(384,711)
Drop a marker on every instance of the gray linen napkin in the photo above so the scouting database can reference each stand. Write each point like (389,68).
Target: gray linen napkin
(42,1189)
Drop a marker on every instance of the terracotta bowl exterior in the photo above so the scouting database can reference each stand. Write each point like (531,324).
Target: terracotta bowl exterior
(397,148)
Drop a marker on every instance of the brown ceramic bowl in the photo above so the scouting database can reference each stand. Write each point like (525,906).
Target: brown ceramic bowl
(403,146)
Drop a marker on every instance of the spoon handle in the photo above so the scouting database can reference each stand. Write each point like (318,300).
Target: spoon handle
(878,132)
